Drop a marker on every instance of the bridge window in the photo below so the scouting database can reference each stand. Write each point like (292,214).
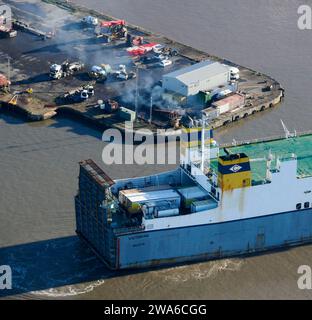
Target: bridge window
(298,206)
(307,205)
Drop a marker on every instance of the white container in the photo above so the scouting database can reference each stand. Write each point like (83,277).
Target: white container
(168,194)
(224,108)
(123,194)
(211,113)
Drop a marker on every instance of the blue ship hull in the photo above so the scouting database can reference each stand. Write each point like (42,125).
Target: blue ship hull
(196,243)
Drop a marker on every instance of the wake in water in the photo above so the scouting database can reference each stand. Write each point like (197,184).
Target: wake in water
(202,270)
(68,291)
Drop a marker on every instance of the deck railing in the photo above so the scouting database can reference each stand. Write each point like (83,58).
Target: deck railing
(259,140)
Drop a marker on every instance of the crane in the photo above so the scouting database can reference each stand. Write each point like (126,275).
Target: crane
(288,134)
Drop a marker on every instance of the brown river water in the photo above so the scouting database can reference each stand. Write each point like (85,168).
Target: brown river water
(39,169)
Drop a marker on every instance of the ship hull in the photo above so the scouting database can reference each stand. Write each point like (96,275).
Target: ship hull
(207,242)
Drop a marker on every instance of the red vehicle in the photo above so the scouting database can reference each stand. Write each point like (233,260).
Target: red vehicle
(141,50)
(4,82)
(111,30)
(107,24)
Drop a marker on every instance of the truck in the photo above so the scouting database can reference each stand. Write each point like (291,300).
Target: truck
(123,74)
(7,32)
(234,73)
(134,40)
(141,49)
(111,30)
(100,73)
(58,71)
(6,26)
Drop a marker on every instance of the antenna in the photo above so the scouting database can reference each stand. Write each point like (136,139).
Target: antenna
(268,166)
(204,119)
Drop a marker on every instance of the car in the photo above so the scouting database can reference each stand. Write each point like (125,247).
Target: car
(161,57)
(91,21)
(158,48)
(164,63)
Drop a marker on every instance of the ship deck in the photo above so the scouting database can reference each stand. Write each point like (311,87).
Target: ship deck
(258,152)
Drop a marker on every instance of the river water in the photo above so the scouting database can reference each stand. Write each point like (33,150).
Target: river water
(39,163)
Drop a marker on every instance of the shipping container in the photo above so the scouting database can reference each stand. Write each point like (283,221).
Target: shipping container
(166,213)
(122,194)
(191,194)
(211,113)
(133,201)
(223,108)
(203,205)
(229,103)
(151,208)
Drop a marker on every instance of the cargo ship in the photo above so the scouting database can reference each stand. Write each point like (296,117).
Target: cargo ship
(218,202)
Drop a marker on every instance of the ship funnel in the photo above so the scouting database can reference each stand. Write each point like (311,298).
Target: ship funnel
(234,171)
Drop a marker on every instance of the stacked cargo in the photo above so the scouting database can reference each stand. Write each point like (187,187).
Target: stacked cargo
(191,194)
(133,199)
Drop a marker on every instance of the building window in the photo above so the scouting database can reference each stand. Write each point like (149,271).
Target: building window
(298,206)
(307,205)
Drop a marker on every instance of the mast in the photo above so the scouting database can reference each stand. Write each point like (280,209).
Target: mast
(202,164)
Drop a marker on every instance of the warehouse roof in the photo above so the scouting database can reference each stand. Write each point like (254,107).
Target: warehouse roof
(197,72)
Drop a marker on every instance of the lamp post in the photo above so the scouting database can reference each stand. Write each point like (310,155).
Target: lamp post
(9,73)
(136,102)
(151,110)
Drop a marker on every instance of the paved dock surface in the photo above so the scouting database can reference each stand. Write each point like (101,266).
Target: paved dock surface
(30,58)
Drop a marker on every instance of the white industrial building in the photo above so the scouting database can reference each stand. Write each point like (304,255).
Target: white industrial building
(203,76)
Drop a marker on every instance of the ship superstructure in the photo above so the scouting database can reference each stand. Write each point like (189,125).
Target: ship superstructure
(216,203)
